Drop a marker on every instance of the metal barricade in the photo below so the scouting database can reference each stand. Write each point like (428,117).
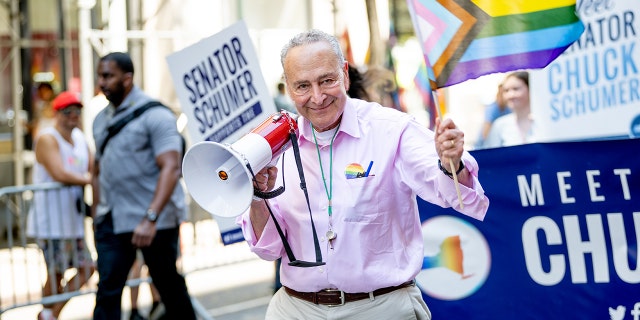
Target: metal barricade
(23,270)
(22,264)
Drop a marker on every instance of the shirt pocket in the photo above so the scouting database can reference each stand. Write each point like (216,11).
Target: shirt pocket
(362,202)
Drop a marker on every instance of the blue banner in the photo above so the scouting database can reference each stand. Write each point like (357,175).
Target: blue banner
(560,239)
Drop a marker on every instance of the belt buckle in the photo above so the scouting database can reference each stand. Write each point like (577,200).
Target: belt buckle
(341,297)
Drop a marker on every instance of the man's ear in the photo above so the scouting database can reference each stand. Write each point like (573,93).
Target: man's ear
(345,72)
(127,80)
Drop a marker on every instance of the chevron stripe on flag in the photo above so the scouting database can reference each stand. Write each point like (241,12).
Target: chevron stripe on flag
(466,39)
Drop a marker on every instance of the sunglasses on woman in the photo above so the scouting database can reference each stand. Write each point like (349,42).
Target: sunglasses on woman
(69,110)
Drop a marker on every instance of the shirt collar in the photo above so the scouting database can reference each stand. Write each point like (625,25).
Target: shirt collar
(128,101)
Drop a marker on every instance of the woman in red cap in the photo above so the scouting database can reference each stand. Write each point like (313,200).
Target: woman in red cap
(56,219)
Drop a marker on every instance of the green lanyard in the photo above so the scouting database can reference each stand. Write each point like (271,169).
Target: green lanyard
(328,191)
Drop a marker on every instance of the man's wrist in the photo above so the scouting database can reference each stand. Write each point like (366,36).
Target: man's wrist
(447,173)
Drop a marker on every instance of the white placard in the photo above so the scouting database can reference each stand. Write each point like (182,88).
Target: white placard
(222,91)
(592,91)
(220,86)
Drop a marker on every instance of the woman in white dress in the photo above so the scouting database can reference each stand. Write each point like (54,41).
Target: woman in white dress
(518,127)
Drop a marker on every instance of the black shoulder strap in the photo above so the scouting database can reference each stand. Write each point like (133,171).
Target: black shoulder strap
(116,127)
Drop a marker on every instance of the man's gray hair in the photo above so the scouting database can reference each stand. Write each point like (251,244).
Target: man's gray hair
(313,36)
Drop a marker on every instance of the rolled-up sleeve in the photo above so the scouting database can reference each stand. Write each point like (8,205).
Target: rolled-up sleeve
(418,165)
(269,246)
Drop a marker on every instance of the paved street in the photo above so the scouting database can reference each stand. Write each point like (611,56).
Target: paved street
(235,292)
(228,282)
(240,291)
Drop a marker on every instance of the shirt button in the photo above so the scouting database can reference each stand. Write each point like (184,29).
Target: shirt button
(321,270)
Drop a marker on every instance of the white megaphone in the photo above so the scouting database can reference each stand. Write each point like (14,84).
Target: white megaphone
(217,175)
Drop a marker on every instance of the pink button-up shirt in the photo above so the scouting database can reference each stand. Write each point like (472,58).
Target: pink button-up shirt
(382,160)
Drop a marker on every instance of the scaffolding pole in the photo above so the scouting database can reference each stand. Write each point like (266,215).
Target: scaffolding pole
(85,52)
(18,91)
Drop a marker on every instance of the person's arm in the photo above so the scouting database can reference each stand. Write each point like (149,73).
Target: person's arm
(258,213)
(486,127)
(91,164)
(490,114)
(169,164)
(95,186)
(48,154)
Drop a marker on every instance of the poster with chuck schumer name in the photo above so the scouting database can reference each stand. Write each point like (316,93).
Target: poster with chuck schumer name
(560,239)
(220,86)
(221,90)
(592,91)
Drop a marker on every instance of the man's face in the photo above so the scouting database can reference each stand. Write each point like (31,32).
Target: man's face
(113,82)
(317,83)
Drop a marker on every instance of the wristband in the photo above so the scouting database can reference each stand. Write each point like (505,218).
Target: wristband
(256,198)
(447,173)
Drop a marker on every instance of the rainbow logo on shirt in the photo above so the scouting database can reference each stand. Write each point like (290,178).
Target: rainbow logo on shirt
(355,170)
(74,161)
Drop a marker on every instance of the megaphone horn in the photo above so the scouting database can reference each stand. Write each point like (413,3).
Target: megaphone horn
(217,175)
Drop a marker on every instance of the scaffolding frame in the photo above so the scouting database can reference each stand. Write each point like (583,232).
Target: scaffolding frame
(91,42)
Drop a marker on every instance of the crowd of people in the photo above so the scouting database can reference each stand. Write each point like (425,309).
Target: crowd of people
(138,204)
(367,222)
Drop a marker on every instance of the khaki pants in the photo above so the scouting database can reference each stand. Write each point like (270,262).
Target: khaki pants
(405,303)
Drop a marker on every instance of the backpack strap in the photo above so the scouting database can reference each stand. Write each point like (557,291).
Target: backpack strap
(113,129)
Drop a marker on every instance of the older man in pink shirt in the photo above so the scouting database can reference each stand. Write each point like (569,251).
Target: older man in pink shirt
(364,165)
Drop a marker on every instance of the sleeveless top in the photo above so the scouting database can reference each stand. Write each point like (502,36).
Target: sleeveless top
(54,213)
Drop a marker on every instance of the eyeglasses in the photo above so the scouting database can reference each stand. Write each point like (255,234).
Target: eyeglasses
(303,88)
(68,110)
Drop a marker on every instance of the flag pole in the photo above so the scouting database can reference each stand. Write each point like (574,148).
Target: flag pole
(451,166)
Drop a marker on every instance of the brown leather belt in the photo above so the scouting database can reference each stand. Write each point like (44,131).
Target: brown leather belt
(334,297)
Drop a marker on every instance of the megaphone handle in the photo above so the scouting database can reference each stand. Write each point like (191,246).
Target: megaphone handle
(270,194)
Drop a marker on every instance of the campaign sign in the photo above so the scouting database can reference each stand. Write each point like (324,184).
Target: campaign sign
(560,239)
(593,89)
(221,89)
(220,86)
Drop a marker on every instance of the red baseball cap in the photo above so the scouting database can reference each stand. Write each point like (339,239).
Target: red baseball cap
(65,99)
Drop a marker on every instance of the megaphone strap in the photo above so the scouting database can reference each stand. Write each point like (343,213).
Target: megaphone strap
(303,185)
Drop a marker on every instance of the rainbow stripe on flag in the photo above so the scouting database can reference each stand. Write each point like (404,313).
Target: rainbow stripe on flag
(421,81)
(466,39)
